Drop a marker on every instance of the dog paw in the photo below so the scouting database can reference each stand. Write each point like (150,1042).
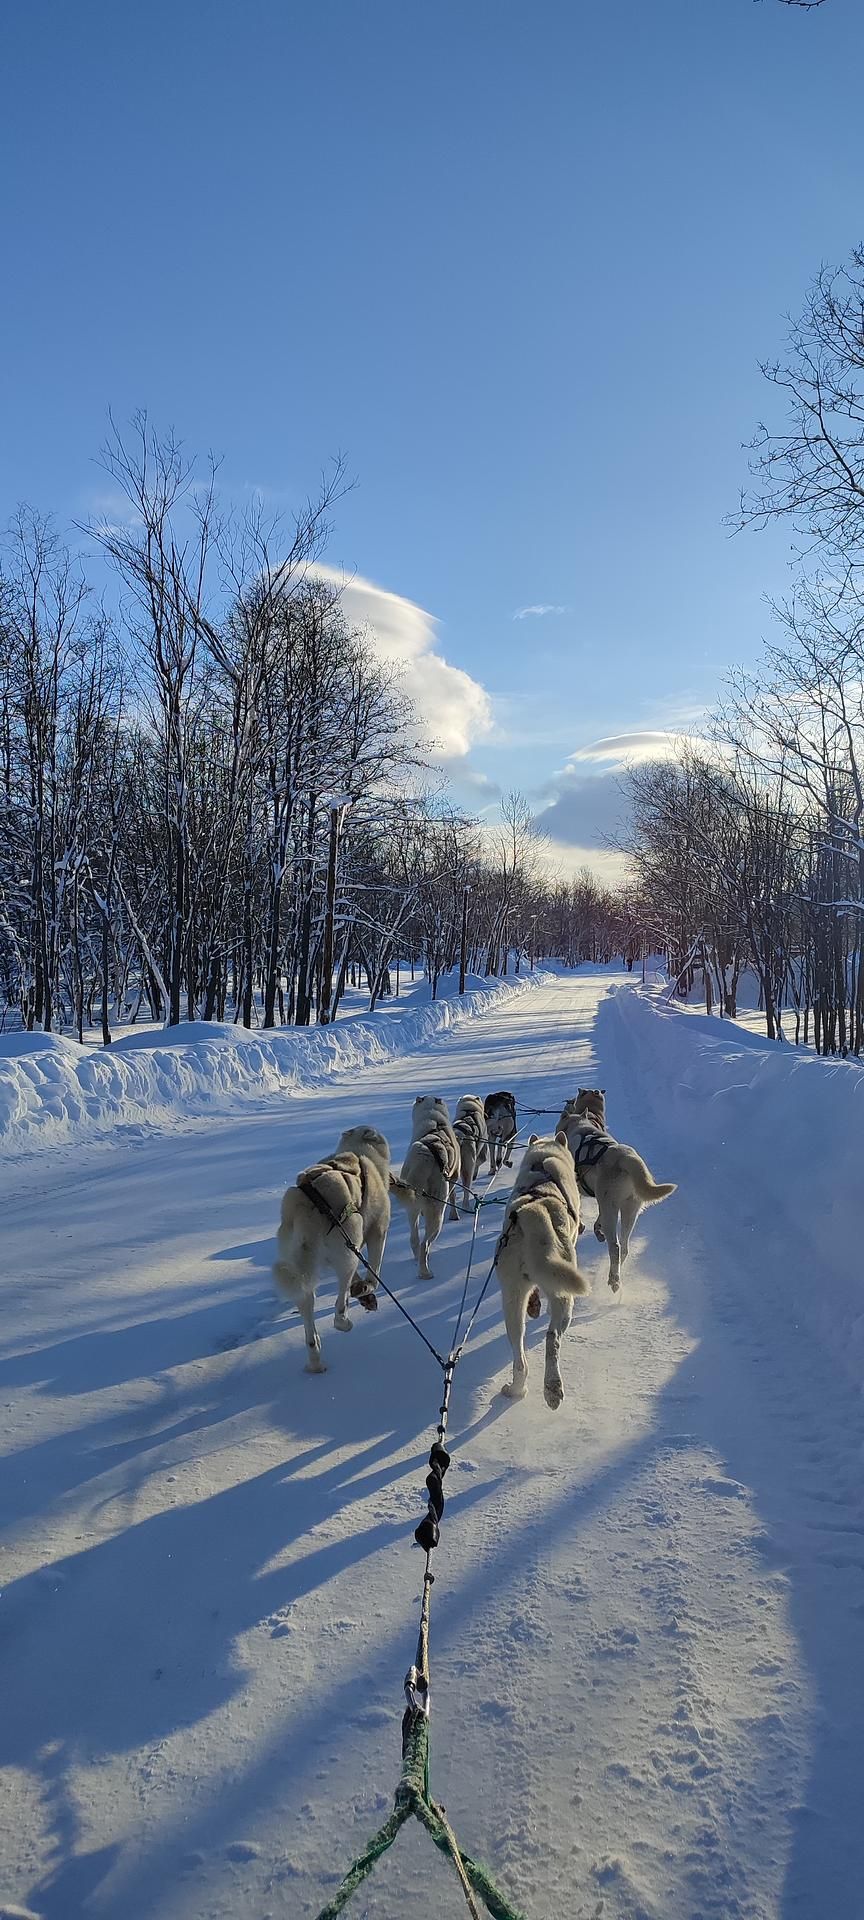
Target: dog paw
(553,1396)
(514,1389)
(615,1285)
(315,1364)
(342,1323)
(366,1298)
(599,1230)
(532,1307)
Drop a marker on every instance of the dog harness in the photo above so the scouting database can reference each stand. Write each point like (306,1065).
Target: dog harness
(467,1127)
(591,1148)
(439,1145)
(544,1190)
(349,1165)
(588,1152)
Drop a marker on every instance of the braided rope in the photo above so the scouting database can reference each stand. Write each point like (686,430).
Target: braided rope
(412,1797)
(412,1801)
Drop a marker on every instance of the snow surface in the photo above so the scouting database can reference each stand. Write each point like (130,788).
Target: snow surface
(648,1616)
(53,1090)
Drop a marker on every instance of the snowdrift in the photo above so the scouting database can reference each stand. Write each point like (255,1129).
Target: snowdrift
(775,1136)
(52,1090)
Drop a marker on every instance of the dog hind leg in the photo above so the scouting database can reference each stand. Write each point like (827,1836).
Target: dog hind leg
(514,1300)
(560,1314)
(306,1309)
(630,1211)
(344,1262)
(609,1224)
(433,1221)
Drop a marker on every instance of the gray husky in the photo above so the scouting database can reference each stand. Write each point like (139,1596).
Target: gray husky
(500,1112)
(430,1170)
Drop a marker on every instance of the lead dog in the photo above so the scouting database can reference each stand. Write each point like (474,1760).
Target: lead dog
(469,1127)
(537,1248)
(335,1209)
(429,1172)
(591,1101)
(617,1178)
(500,1113)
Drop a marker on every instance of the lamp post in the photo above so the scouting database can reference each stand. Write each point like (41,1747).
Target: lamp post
(338,806)
(463,944)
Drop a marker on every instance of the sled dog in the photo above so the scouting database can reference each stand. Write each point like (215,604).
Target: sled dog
(591,1101)
(469,1127)
(618,1179)
(344,1198)
(429,1172)
(500,1111)
(537,1248)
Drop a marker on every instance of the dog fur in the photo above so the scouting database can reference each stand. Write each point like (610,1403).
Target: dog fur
(500,1113)
(592,1101)
(354,1185)
(430,1170)
(537,1249)
(620,1183)
(469,1126)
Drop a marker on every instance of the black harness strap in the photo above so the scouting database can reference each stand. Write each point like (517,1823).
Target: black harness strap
(544,1190)
(591,1148)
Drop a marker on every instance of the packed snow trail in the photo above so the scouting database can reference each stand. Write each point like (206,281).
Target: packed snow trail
(648,1617)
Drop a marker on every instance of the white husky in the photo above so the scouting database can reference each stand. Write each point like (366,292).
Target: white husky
(469,1127)
(335,1209)
(429,1171)
(537,1248)
(616,1176)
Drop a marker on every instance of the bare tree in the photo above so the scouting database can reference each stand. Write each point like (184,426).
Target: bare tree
(812,470)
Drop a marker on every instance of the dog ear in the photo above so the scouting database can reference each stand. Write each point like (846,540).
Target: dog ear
(561,1140)
(533,1139)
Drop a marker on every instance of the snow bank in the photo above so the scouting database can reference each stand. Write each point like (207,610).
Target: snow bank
(52,1090)
(778,1133)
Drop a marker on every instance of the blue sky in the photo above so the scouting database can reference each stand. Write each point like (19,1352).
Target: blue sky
(518,262)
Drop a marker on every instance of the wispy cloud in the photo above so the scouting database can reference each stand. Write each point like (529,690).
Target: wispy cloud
(538,612)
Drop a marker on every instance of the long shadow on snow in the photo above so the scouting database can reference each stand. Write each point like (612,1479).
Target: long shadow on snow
(290,1752)
(151,1588)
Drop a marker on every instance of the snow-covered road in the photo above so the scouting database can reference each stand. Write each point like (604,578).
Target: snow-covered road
(648,1623)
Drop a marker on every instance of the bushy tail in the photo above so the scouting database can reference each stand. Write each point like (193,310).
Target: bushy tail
(549,1258)
(650,1190)
(400,1190)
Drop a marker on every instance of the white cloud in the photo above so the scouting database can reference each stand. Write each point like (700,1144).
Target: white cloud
(625,749)
(586,811)
(537,612)
(455,709)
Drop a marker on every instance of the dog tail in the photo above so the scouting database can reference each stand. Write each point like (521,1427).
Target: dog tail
(650,1190)
(282,1275)
(401,1191)
(549,1251)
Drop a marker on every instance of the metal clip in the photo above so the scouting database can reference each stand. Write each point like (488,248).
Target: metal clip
(417,1691)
